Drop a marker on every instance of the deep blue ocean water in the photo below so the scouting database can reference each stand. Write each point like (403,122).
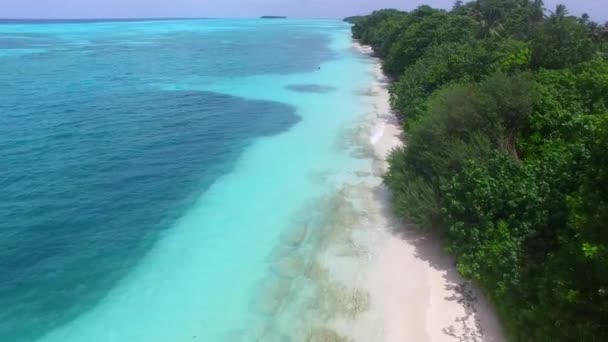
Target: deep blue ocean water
(111,132)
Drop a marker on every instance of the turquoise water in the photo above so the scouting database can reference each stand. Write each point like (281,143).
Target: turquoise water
(150,169)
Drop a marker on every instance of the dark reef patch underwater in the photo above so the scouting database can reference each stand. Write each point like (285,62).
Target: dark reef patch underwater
(111,182)
(310,88)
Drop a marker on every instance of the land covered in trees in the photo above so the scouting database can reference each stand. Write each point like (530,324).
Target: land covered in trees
(505,106)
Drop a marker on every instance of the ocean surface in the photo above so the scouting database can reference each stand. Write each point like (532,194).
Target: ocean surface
(149,170)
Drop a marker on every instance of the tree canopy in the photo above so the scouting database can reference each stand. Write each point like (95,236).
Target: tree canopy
(505,104)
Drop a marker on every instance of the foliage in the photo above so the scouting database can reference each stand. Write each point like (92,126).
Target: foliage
(562,41)
(354,19)
(506,110)
(425,28)
(463,122)
(452,63)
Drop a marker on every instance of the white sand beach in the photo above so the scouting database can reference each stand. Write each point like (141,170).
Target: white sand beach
(415,290)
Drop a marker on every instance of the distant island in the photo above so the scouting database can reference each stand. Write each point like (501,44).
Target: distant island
(273,17)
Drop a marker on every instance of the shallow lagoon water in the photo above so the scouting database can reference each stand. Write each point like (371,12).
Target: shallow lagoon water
(153,169)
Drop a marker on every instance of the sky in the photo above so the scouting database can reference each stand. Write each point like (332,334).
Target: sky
(44,9)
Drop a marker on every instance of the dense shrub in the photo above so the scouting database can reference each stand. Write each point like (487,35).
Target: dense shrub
(506,113)
(451,63)
(463,122)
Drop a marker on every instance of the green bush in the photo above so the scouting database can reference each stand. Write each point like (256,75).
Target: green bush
(506,154)
(463,122)
(451,63)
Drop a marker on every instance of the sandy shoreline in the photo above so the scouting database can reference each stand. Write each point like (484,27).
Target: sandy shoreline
(347,271)
(413,285)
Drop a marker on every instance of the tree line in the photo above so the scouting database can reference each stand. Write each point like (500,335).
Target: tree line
(505,108)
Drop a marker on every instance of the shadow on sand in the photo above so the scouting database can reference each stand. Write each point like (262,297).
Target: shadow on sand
(478,324)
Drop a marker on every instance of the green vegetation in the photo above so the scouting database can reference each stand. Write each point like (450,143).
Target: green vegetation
(506,109)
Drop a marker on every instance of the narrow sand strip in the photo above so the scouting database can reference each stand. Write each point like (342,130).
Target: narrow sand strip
(413,284)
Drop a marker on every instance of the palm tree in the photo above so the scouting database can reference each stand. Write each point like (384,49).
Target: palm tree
(457,5)
(559,14)
(489,16)
(537,10)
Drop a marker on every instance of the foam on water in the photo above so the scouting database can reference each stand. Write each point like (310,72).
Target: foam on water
(377,133)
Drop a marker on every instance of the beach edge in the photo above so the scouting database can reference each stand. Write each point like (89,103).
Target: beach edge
(413,281)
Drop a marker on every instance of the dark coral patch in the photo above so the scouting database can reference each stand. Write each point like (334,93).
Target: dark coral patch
(310,88)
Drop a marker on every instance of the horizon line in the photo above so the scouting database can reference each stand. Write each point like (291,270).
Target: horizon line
(158,18)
